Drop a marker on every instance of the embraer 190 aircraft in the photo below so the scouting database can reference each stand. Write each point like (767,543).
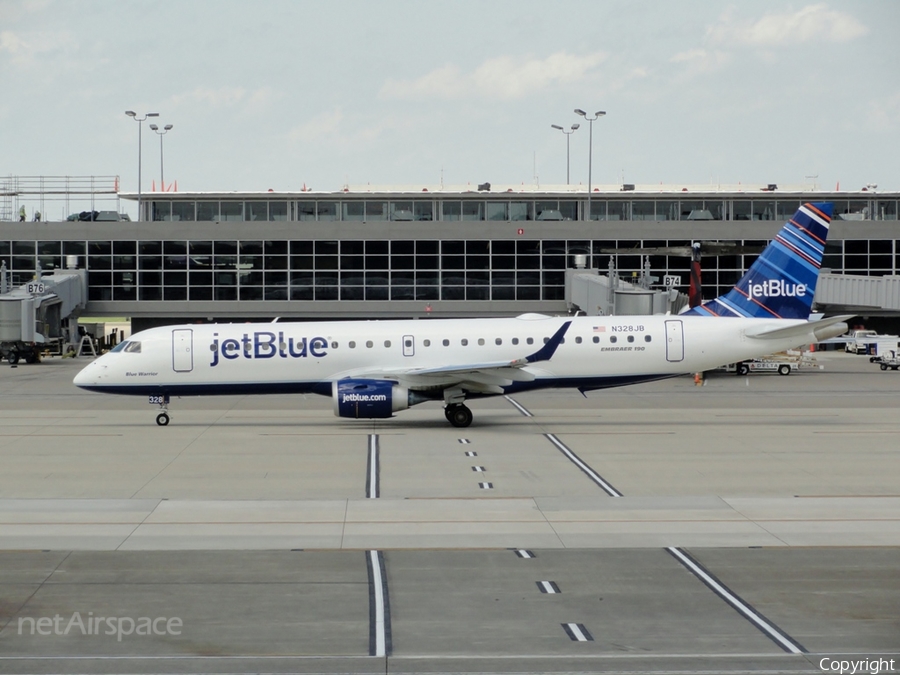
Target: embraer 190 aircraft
(372,369)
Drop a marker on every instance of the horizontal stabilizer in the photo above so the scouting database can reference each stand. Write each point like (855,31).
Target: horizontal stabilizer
(820,330)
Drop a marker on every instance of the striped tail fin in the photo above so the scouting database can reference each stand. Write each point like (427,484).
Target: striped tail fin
(782,282)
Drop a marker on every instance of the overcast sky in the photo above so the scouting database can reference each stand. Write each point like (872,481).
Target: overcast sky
(278,94)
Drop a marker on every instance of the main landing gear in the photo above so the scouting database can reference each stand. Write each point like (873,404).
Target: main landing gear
(458,415)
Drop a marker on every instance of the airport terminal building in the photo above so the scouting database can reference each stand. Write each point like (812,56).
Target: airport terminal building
(426,251)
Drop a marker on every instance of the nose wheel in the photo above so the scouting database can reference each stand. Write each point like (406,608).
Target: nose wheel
(162,400)
(458,415)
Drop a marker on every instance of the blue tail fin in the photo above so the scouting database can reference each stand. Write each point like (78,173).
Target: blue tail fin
(782,282)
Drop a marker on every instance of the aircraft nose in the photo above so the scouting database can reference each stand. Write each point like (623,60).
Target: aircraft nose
(88,375)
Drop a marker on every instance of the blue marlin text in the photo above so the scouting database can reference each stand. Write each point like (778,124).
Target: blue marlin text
(266,345)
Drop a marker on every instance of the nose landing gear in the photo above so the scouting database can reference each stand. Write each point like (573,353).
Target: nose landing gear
(162,419)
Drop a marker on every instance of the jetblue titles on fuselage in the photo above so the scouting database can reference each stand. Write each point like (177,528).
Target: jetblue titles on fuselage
(266,345)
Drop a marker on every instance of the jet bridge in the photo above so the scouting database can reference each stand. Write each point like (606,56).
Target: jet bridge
(594,294)
(40,312)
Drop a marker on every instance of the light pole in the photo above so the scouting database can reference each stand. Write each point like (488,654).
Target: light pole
(597,115)
(567,133)
(139,120)
(166,129)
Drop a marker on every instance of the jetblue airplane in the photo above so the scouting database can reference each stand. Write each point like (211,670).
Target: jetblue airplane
(372,369)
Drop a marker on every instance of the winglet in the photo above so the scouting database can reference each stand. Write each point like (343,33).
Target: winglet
(546,352)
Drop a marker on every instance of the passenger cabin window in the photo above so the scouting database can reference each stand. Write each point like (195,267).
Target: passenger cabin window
(529,340)
(647,338)
(631,338)
(426,343)
(464,342)
(387,343)
(369,344)
(481,342)
(498,341)
(596,340)
(578,340)
(445,342)
(334,345)
(515,341)
(613,338)
(351,344)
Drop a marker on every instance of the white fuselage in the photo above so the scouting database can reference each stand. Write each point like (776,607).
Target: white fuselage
(307,357)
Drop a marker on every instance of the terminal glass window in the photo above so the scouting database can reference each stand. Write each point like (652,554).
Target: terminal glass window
(786,209)
(423,210)
(376,211)
(521,211)
(666,210)
(232,211)
(402,211)
(473,210)
(327,210)
(619,210)
(451,210)
(161,210)
(740,209)
(763,210)
(643,210)
(497,211)
(278,211)
(886,210)
(353,211)
(547,211)
(183,211)
(207,210)
(598,210)
(257,211)
(569,209)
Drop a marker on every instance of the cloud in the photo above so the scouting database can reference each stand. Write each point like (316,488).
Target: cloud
(323,124)
(24,48)
(884,114)
(503,77)
(813,22)
(250,100)
(695,61)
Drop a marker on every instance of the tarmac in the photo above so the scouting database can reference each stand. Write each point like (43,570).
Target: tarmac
(750,525)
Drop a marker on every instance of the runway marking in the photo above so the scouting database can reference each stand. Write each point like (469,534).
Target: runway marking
(373,486)
(577,632)
(379,606)
(581,464)
(486,486)
(471,453)
(478,468)
(548,587)
(522,409)
(464,441)
(524,553)
(769,629)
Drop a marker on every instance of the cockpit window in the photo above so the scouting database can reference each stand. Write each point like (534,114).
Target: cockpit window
(133,346)
(119,347)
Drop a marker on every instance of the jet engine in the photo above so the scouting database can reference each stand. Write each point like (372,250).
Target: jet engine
(367,399)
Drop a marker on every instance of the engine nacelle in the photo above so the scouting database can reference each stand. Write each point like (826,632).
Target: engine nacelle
(367,399)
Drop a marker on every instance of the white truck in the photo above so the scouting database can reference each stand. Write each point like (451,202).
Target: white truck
(858,341)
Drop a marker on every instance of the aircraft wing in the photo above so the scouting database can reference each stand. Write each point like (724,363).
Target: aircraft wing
(488,377)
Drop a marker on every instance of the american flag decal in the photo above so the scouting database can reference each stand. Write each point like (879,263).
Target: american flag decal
(599,329)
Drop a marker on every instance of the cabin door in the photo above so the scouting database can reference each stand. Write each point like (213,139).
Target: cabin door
(674,341)
(182,350)
(409,345)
